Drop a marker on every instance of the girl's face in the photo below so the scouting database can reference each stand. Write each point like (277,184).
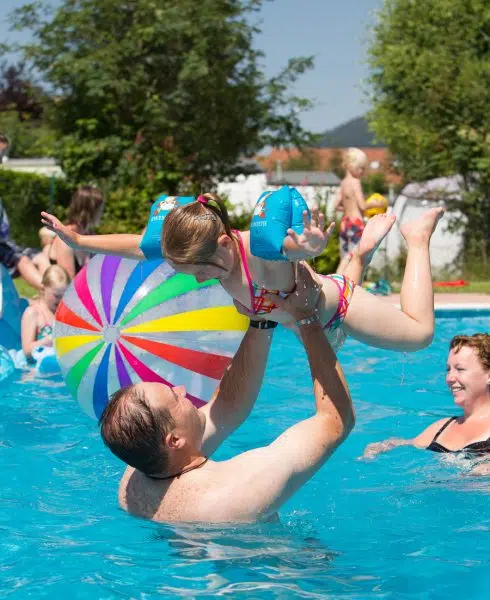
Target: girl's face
(219,267)
(466,377)
(53,295)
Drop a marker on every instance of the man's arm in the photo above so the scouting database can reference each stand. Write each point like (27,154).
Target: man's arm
(263,479)
(238,389)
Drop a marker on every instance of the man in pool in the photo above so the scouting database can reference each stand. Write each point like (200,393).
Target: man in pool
(166,441)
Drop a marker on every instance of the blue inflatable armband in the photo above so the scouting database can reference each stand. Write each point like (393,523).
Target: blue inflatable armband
(151,245)
(275,213)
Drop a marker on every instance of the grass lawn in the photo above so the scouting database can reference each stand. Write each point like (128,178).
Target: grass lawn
(475,287)
(24,288)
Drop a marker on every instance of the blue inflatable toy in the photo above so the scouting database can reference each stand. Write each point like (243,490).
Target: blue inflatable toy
(275,213)
(11,309)
(151,243)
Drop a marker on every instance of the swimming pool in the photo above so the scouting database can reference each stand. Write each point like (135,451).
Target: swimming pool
(408,525)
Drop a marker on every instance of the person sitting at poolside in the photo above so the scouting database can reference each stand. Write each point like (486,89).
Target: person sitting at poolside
(468,378)
(17,259)
(38,319)
(165,440)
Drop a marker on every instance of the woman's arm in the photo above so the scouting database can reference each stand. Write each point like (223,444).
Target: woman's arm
(120,244)
(64,255)
(420,441)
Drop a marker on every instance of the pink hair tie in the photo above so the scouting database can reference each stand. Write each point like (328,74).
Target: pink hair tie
(202,200)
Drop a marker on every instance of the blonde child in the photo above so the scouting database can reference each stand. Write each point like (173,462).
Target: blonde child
(350,200)
(197,240)
(38,318)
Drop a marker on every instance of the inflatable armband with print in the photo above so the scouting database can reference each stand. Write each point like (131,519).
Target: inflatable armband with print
(151,245)
(275,213)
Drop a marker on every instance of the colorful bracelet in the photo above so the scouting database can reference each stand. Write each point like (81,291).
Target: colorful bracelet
(263,324)
(307,320)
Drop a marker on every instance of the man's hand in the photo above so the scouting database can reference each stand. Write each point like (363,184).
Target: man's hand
(302,301)
(315,237)
(243,310)
(65,233)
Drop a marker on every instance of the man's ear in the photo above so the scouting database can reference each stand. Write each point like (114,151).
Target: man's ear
(174,441)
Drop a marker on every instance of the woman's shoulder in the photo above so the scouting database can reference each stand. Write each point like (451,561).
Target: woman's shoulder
(427,435)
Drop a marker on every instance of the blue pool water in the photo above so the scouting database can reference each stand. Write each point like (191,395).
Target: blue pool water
(411,524)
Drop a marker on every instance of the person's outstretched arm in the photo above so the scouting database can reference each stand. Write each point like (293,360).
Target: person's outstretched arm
(263,479)
(126,245)
(238,389)
(420,441)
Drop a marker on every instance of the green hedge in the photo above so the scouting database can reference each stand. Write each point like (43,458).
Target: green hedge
(24,196)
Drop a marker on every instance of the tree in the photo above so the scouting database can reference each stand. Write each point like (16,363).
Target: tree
(430,91)
(159,93)
(22,113)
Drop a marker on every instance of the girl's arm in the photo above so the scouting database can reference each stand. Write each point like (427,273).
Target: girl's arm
(312,241)
(28,327)
(120,244)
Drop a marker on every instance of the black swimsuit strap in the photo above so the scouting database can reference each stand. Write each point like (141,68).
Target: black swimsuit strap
(446,424)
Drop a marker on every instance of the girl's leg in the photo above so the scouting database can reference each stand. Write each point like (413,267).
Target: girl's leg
(377,322)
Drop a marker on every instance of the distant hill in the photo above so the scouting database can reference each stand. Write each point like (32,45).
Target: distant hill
(353,133)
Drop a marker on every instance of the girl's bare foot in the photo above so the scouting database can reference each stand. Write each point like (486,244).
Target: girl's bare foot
(375,231)
(420,230)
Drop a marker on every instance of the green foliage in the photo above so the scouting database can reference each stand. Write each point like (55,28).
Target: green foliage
(329,259)
(159,94)
(430,89)
(24,196)
(375,183)
(28,137)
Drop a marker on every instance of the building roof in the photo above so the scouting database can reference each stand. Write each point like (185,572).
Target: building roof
(302,178)
(379,159)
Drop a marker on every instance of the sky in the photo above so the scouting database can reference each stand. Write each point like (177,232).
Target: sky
(335,31)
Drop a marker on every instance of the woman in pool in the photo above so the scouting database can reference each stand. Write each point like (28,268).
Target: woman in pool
(197,240)
(468,378)
(38,318)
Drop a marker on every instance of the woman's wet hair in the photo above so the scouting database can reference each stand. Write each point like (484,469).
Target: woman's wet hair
(480,342)
(191,231)
(84,208)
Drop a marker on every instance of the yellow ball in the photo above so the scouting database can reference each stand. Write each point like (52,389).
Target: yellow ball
(376,210)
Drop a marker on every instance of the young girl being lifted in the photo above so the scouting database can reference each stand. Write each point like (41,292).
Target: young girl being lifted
(197,240)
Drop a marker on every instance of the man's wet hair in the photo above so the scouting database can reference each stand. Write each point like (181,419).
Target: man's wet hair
(135,431)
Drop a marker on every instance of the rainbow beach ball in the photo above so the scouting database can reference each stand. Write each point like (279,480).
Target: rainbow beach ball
(122,321)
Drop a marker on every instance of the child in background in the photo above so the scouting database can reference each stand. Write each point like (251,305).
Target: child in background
(350,200)
(38,318)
